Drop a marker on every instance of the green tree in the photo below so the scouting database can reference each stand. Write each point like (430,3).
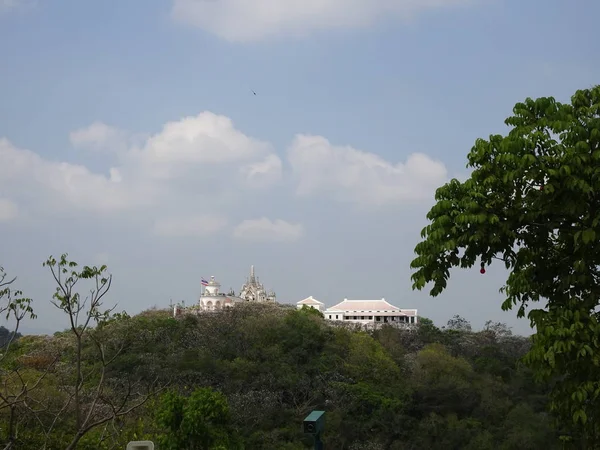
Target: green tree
(15,385)
(527,430)
(444,383)
(533,202)
(89,393)
(15,308)
(198,422)
(458,323)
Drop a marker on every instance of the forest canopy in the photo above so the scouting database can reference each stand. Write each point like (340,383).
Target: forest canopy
(245,378)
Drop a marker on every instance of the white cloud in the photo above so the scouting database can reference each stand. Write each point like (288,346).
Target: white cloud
(360,177)
(246,20)
(197,226)
(267,230)
(61,184)
(99,136)
(203,139)
(8,210)
(184,177)
(263,173)
(194,156)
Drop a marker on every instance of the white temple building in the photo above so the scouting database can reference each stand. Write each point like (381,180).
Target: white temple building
(370,312)
(211,299)
(253,291)
(311,303)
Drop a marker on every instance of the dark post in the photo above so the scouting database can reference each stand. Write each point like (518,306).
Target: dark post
(313,424)
(318,442)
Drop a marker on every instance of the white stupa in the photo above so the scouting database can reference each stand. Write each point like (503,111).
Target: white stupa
(211,299)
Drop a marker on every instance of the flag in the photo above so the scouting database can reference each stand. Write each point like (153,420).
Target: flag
(204,282)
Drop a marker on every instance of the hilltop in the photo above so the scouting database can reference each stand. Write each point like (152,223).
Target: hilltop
(252,373)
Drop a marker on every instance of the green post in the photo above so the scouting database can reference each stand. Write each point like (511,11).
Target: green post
(318,442)
(313,424)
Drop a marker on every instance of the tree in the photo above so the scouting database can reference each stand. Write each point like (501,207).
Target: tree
(14,307)
(443,382)
(198,422)
(533,202)
(15,388)
(497,330)
(93,398)
(7,336)
(458,323)
(427,331)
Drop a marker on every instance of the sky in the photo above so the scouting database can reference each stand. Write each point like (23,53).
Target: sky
(131,135)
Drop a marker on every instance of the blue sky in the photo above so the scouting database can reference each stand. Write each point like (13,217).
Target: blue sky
(89,86)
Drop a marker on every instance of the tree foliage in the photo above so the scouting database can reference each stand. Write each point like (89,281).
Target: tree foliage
(533,202)
(14,384)
(201,421)
(247,376)
(62,387)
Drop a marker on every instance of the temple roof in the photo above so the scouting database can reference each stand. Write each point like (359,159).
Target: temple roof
(253,287)
(310,301)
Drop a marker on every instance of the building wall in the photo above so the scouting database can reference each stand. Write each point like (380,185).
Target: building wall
(365,317)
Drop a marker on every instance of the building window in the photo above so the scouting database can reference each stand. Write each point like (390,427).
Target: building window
(370,317)
(330,316)
(336,316)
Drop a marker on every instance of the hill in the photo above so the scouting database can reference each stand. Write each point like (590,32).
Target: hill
(246,378)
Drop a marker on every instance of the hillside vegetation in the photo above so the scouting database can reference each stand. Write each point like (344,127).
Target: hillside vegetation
(245,378)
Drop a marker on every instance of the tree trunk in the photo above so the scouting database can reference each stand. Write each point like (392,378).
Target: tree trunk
(75,441)
(78,384)
(11,428)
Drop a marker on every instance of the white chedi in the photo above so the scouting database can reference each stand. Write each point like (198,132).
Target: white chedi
(253,291)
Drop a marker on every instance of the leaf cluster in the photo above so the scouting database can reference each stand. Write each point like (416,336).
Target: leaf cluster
(533,202)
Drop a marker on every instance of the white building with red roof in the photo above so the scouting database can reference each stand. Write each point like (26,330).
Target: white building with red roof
(311,303)
(370,312)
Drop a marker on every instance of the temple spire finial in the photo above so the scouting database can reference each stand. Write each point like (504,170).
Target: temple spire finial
(252,272)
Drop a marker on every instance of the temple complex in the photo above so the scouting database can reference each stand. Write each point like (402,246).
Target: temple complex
(212,299)
(367,313)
